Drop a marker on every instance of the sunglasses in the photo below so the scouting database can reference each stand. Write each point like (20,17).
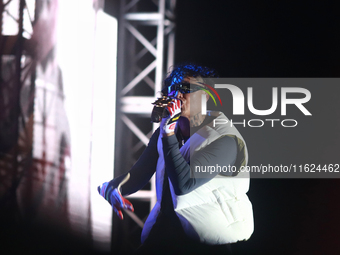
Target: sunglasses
(184,88)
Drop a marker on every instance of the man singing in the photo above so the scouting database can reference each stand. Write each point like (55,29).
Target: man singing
(194,213)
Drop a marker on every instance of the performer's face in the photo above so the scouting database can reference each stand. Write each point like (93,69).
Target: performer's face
(191,102)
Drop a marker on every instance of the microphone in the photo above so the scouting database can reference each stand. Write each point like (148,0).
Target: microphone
(159,110)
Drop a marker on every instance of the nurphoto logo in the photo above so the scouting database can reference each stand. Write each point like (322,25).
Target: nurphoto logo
(239,104)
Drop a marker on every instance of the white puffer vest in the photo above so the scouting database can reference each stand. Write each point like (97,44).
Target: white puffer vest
(217,212)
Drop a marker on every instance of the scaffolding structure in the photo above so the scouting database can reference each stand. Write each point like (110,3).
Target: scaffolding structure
(16,79)
(146,43)
(32,165)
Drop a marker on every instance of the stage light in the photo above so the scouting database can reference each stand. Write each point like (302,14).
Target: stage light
(87,45)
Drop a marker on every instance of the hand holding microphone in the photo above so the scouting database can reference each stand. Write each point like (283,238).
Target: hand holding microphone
(168,124)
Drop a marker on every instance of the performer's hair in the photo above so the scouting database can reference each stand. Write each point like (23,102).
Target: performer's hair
(181,71)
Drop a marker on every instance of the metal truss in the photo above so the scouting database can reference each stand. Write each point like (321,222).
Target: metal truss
(25,109)
(17,81)
(146,44)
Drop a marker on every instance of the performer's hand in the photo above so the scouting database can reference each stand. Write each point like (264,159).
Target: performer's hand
(115,198)
(118,203)
(168,124)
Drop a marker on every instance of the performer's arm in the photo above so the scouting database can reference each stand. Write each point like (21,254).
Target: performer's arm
(222,152)
(132,181)
(142,170)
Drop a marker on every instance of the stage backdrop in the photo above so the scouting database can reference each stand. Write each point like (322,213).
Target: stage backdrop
(66,124)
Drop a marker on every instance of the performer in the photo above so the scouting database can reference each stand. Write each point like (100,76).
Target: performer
(194,214)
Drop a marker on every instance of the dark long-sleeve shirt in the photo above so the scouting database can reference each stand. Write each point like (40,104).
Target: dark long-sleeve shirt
(222,152)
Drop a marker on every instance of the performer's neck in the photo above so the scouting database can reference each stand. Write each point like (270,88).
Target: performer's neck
(186,123)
